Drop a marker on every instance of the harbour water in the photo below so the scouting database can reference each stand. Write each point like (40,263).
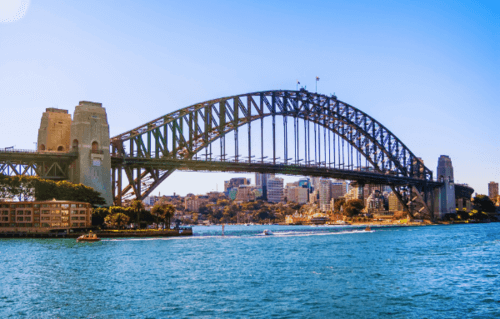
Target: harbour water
(298,272)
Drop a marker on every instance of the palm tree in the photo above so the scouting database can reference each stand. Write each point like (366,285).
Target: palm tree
(138,207)
(158,210)
(169,211)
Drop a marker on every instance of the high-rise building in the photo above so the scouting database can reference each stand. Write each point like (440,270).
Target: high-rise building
(325,194)
(275,190)
(338,189)
(492,190)
(235,183)
(261,182)
(297,194)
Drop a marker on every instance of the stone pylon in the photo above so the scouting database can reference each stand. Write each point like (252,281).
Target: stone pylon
(90,137)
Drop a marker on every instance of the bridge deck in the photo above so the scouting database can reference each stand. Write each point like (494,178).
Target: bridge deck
(265,167)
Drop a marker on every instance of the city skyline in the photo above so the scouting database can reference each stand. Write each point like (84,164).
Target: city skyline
(431,81)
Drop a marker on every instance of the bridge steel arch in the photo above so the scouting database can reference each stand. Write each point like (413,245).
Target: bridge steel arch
(151,152)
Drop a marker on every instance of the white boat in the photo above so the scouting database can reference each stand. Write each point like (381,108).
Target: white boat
(266,232)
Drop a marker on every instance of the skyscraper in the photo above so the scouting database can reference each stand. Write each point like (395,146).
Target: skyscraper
(275,190)
(261,182)
(492,190)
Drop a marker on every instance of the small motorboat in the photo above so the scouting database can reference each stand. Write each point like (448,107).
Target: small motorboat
(368,228)
(266,232)
(90,237)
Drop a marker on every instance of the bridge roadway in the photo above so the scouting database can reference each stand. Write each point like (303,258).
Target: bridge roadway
(368,177)
(49,165)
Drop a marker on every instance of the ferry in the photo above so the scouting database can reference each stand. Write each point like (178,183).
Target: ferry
(90,237)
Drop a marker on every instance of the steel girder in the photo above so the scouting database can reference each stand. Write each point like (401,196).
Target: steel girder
(182,134)
(49,165)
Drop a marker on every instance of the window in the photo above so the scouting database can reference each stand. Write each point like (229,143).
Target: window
(37,211)
(12,206)
(60,149)
(64,219)
(82,224)
(95,147)
(19,219)
(75,145)
(65,212)
(45,205)
(73,205)
(5,212)
(74,218)
(19,212)
(45,225)
(28,225)
(42,147)
(81,205)
(20,206)
(13,225)
(64,205)
(28,206)
(56,212)
(36,225)
(74,224)
(45,211)
(82,212)
(46,218)
(56,218)
(56,224)
(5,219)
(65,224)
(73,212)
(27,219)
(37,219)
(36,205)
(82,218)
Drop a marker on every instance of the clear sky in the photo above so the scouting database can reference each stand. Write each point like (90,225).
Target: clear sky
(428,71)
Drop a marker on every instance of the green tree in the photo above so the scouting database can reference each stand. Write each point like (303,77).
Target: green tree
(165,211)
(338,204)
(484,204)
(117,220)
(353,207)
(99,215)
(138,208)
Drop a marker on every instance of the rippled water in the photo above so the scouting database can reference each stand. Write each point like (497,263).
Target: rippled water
(299,272)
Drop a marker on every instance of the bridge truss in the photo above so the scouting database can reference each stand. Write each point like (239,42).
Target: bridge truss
(287,132)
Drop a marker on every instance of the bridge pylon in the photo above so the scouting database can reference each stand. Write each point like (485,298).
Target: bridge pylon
(90,138)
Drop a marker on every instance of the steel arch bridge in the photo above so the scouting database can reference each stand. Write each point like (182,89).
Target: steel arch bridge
(287,132)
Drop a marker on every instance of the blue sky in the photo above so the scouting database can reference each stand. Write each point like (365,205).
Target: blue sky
(428,71)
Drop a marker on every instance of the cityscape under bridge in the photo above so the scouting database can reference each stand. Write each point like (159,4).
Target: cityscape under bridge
(284,132)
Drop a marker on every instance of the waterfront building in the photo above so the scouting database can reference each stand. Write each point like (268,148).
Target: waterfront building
(275,190)
(374,204)
(394,203)
(492,190)
(44,216)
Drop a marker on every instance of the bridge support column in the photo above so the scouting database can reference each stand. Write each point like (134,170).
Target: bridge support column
(90,136)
